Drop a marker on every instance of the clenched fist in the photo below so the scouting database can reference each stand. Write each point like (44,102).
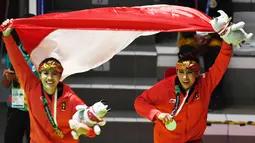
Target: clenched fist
(7,31)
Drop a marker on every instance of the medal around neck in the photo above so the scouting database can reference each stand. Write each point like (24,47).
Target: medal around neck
(171,126)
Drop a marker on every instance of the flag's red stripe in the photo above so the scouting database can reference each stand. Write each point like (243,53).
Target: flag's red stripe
(164,18)
(32,38)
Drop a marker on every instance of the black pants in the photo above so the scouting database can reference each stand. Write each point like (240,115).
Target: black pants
(18,124)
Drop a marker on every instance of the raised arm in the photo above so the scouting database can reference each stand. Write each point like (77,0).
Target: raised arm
(26,77)
(215,73)
(231,34)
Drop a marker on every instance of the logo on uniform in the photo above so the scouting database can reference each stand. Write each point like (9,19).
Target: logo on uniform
(63,107)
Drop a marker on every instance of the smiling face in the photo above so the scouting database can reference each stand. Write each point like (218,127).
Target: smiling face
(50,74)
(50,79)
(187,77)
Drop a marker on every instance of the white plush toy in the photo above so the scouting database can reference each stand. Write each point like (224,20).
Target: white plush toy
(91,116)
(230,33)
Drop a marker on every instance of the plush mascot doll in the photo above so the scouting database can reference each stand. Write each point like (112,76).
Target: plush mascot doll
(91,116)
(227,30)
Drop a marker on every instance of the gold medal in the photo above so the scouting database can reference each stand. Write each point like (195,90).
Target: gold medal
(172,125)
(59,134)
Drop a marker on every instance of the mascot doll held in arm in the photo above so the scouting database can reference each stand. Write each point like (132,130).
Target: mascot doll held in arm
(91,116)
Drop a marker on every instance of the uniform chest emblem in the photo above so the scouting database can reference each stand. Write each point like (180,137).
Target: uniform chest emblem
(63,106)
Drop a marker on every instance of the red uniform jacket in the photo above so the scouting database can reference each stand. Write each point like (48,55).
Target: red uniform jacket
(41,128)
(191,121)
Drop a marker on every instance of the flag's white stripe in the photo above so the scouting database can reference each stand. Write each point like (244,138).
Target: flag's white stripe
(82,50)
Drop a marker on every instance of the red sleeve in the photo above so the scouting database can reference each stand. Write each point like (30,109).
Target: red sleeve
(145,103)
(26,77)
(215,73)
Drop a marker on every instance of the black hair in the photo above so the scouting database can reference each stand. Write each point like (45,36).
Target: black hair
(188,53)
(51,59)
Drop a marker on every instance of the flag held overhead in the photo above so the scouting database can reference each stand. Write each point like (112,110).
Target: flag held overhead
(82,40)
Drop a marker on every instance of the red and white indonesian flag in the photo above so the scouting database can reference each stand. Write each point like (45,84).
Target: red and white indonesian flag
(82,40)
